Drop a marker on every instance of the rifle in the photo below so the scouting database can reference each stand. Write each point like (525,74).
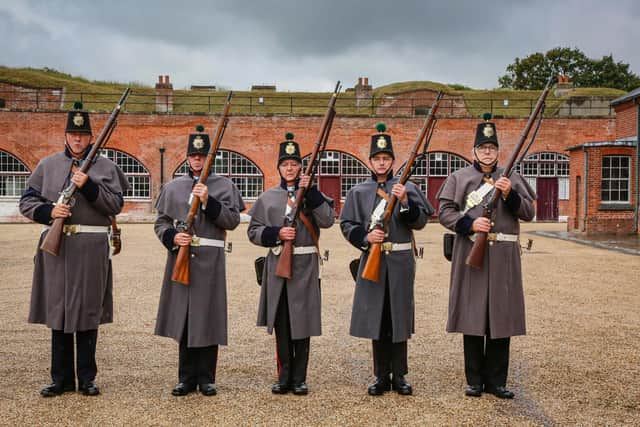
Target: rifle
(380,220)
(476,255)
(52,241)
(285,262)
(180,273)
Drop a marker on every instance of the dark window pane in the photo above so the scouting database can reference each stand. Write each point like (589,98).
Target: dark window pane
(606,172)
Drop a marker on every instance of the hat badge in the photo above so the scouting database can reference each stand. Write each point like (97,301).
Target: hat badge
(381,143)
(78,120)
(487,131)
(198,143)
(290,149)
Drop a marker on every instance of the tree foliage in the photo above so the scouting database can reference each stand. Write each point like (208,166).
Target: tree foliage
(533,71)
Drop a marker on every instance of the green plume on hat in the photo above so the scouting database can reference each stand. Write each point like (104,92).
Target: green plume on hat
(77,105)
(486,117)
(200,128)
(381,127)
(288,136)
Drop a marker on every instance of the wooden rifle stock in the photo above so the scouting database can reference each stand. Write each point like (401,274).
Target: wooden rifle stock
(475,258)
(180,273)
(284,267)
(371,270)
(52,241)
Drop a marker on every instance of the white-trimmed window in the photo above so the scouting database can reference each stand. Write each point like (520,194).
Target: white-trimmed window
(242,171)
(547,165)
(335,163)
(616,179)
(437,164)
(13,176)
(137,175)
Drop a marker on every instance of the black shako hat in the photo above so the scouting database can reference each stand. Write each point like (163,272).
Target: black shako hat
(78,120)
(198,142)
(381,142)
(289,149)
(486,132)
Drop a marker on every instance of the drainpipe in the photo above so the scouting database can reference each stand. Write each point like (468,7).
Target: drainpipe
(161,167)
(586,188)
(635,225)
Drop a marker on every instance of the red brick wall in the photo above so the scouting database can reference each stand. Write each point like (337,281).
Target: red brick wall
(626,120)
(405,103)
(31,136)
(21,98)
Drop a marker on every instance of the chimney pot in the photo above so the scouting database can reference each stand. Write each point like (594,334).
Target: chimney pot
(366,81)
(166,79)
(359,81)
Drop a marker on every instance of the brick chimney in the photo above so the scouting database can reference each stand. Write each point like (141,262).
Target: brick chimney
(164,95)
(364,92)
(564,86)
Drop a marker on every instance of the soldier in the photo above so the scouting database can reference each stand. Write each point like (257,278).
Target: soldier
(71,292)
(487,304)
(196,315)
(291,306)
(384,311)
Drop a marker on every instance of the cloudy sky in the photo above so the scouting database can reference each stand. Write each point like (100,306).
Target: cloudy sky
(307,44)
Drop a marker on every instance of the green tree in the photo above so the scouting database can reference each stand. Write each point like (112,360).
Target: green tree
(533,71)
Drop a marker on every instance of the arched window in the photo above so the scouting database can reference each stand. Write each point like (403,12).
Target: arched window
(242,171)
(350,170)
(547,165)
(136,173)
(13,176)
(437,165)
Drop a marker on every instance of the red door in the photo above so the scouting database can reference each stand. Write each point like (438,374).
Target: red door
(547,204)
(433,186)
(330,185)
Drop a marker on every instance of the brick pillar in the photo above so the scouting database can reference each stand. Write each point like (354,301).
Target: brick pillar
(364,92)
(164,95)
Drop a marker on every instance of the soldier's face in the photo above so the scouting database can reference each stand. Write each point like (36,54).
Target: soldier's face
(381,163)
(289,169)
(196,162)
(78,142)
(486,153)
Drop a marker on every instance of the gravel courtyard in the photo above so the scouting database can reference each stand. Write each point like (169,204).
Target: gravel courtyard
(579,363)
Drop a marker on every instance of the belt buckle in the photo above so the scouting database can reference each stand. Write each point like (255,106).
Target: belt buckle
(70,229)
(492,237)
(387,247)
(277,249)
(195,241)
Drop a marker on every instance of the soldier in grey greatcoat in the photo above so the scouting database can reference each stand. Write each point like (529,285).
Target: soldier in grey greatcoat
(487,304)
(291,306)
(383,311)
(72,292)
(196,315)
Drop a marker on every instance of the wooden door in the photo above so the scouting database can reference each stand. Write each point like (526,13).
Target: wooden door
(547,205)
(433,186)
(330,185)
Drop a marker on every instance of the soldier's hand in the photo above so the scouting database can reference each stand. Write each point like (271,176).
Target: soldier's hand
(182,239)
(79,178)
(304,181)
(287,233)
(400,191)
(481,224)
(375,236)
(202,192)
(504,185)
(60,210)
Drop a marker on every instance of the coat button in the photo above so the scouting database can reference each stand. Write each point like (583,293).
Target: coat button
(193,255)
(491,243)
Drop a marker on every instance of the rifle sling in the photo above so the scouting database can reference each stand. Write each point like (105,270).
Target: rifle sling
(307,223)
(385,196)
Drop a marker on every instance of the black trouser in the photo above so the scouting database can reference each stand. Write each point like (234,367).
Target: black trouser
(293,355)
(62,355)
(486,360)
(196,365)
(388,357)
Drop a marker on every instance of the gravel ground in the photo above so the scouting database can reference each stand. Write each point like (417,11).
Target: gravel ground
(579,364)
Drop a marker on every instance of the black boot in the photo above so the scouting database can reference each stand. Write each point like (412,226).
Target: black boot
(380,385)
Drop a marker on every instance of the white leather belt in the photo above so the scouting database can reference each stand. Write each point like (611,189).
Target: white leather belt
(297,250)
(498,237)
(69,229)
(395,247)
(202,241)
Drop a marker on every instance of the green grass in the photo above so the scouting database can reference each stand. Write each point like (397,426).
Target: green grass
(102,96)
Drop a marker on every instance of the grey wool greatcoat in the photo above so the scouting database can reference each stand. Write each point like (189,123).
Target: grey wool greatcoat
(303,289)
(72,292)
(398,268)
(494,293)
(204,302)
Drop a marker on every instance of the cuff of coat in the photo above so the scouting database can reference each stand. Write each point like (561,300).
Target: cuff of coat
(513,201)
(42,213)
(463,226)
(213,209)
(313,197)
(270,236)
(357,237)
(412,214)
(167,238)
(90,190)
